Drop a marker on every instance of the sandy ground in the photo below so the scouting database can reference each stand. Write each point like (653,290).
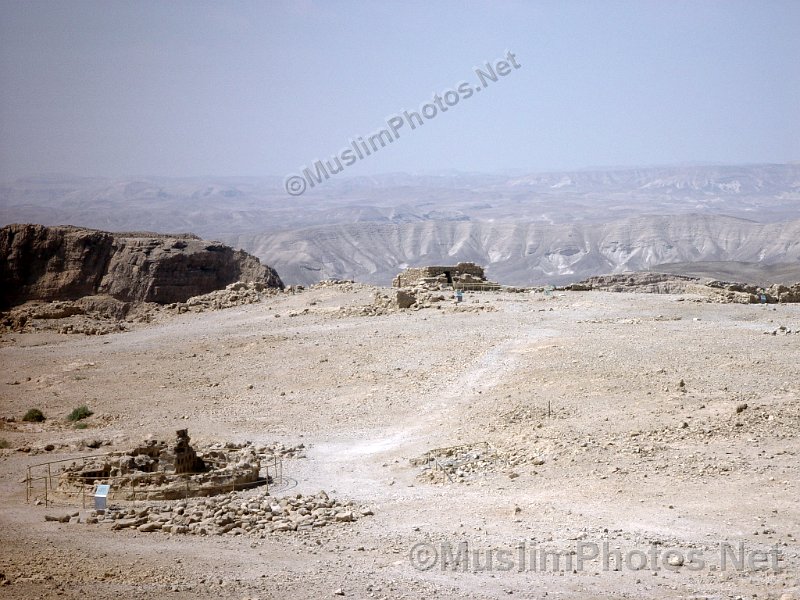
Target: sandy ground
(628,457)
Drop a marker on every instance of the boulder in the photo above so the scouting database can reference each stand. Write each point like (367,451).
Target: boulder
(404,298)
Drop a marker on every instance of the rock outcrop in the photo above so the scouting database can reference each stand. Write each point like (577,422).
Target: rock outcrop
(649,283)
(667,283)
(68,263)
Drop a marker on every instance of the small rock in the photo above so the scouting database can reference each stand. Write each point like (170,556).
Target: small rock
(344,517)
(59,519)
(675,560)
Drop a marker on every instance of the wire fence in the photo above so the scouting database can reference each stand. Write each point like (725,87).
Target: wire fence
(44,479)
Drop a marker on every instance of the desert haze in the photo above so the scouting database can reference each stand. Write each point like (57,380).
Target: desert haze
(526,229)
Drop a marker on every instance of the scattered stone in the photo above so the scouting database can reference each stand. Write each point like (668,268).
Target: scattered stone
(235,513)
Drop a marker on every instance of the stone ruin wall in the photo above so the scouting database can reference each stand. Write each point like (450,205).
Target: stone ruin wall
(158,470)
(416,275)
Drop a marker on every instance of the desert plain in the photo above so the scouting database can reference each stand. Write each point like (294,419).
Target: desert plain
(659,426)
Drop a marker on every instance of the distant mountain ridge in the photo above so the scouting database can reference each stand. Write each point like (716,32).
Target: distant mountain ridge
(522,253)
(552,226)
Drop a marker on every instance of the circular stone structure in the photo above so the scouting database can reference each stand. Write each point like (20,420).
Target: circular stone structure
(159,470)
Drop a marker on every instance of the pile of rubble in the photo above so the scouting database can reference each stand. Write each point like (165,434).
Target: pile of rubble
(458,464)
(400,300)
(233,514)
(413,298)
(783,330)
(100,315)
(91,315)
(341,285)
(785,293)
(234,294)
(282,451)
(724,292)
(421,297)
(645,283)
(530,415)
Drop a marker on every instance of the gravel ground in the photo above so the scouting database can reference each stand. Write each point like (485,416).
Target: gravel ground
(589,422)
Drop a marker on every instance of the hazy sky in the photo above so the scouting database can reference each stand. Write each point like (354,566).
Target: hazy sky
(264,88)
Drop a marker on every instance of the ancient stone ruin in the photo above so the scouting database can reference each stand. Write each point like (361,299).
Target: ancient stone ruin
(160,470)
(464,275)
(712,290)
(423,287)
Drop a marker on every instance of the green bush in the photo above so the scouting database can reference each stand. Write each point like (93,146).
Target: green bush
(34,415)
(81,426)
(80,413)
(4,443)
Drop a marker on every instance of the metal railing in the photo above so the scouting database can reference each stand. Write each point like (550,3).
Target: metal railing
(125,487)
(477,286)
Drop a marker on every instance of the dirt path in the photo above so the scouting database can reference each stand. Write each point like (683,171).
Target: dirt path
(629,457)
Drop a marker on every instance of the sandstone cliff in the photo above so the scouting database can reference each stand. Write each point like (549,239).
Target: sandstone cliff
(67,263)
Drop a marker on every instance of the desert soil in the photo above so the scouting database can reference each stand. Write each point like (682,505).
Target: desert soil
(628,455)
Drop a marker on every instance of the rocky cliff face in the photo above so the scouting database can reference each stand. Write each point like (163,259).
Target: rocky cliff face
(67,263)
